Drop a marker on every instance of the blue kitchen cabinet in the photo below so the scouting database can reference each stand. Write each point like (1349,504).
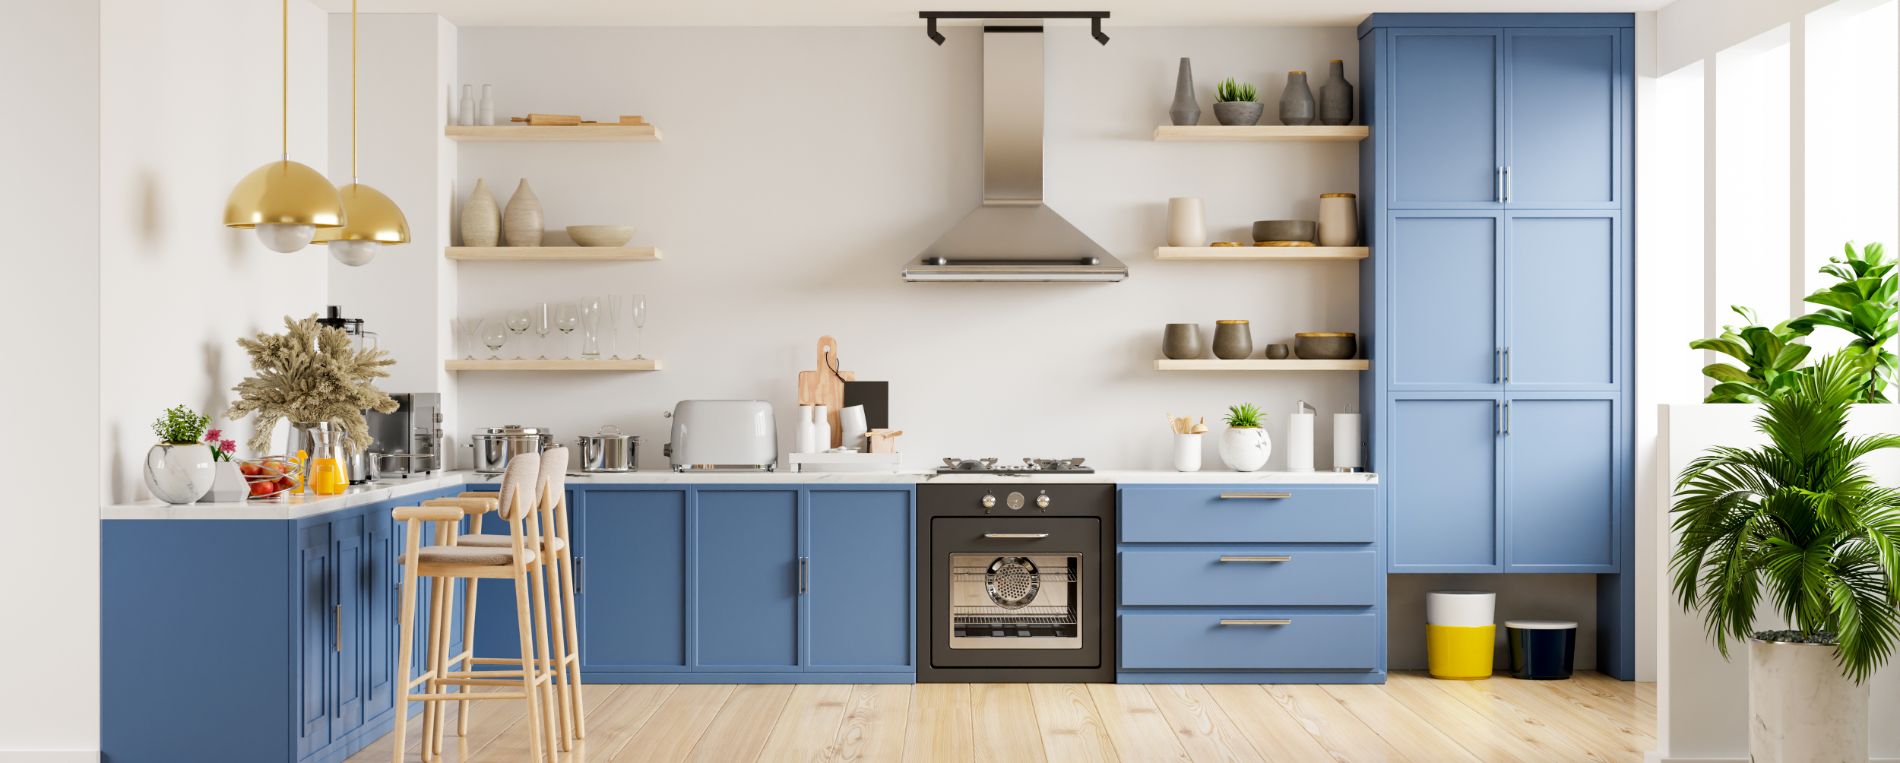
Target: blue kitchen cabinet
(315,570)
(749,574)
(630,560)
(348,538)
(1563,117)
(1561,485)
(1442,492)
(1564,309)
(1446,270)
(861,574)
(1445,118)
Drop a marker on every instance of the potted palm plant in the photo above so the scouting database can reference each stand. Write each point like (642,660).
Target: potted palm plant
(1799,522)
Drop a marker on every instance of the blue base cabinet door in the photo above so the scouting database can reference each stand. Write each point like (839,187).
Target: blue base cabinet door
(315,622)
(1561,485)
(630,548)
(860,579)
(748,571)
(1442,485)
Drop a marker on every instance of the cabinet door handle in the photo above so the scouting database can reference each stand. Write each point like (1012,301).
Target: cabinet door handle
(1015,536)
(1256,622)
(1255,559)
(1507,184)
(804,575)
(580,575)
(1254,496)
(337,614)
(1497,417)
(1497,364)
(1507,363)
(1498,191)
(1507,418)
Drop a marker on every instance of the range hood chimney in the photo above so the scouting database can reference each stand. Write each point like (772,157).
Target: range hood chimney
(1012,235)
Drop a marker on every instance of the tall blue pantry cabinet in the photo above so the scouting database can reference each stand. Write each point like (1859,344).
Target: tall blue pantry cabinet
(1498,301)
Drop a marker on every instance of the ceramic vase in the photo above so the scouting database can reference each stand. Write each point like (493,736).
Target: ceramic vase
(521,223)
(1187,453)
(179,472)
(1801,707)
(1335,97)
(1185,225)
(465,115)
(1233,339)
(228,484)
(1296,101)
(1185,110)
(485,115)
(1245,449)
(481,218)
(805,439)
(1338,219)
(1238,113)
(1181,341)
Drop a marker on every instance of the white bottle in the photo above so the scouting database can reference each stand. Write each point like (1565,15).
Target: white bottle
(821,428)
(806,439)
(466,114)
(486,116)
(1299,439)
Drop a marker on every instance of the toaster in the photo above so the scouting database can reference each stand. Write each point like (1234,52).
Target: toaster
(708,435)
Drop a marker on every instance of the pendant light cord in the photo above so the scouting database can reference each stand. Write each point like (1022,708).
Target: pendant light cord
(352,91)
(283,111)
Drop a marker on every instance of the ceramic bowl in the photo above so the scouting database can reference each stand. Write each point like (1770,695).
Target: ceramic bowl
(1326,345)
(1285,230)
(600,235)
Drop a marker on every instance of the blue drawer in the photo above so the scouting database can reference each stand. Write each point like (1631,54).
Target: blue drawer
(1247,514)
(1249,577)
(1201,642)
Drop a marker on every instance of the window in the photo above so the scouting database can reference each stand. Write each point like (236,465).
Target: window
(1853,147)
(1751,174)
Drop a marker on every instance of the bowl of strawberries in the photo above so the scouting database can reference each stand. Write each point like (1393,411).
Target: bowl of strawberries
(268,477)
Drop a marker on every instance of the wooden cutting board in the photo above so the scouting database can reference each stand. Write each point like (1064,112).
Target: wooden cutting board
(825,385)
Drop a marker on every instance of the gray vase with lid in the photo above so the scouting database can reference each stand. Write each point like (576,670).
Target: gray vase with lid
(1185,110)
(1335,97)
(1296,102)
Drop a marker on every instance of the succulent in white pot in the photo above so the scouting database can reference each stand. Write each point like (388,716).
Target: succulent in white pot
(1245,446)
(179,469)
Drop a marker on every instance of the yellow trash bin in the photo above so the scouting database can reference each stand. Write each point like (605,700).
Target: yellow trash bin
(1460,634)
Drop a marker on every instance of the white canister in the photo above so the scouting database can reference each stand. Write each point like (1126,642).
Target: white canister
(465,115)
(821,428)
(1346,443)
(805,436)
(1187,452)
(1338,219)
(485,113)
(1186,227)
(1299,438)
(1461,609)
(852,427)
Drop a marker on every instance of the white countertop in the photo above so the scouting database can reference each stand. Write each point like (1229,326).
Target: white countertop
(298,507)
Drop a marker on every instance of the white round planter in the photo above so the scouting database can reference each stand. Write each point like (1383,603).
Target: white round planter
(180,473)
(1801,708)
(1245,449)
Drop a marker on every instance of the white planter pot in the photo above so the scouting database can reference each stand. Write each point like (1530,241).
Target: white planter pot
(179,473)
(1801,708)
(1187,453)
(228,484)
(1245,449)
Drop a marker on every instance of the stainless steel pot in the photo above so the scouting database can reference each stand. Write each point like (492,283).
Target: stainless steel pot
(493,446)
(609,451)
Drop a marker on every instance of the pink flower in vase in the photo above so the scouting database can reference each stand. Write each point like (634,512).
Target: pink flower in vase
(228,446)
(214,435)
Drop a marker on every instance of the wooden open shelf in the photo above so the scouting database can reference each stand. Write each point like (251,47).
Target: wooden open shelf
(552,365)
(1261,364)
(552,253)
(1245,133)
(1280,253)
(514,132)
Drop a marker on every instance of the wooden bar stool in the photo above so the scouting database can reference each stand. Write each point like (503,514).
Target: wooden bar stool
(445,562)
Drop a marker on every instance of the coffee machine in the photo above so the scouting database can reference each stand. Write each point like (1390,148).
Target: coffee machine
(408,441)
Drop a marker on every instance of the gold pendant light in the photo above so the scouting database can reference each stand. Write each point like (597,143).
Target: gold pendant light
(374,220)
(286,202)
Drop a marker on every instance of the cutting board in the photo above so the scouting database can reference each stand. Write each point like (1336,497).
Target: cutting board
(825,386)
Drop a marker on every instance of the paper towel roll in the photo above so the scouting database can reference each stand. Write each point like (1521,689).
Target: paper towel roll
(1299,442)
(1346,447)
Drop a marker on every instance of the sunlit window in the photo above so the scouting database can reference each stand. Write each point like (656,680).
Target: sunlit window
(1675,168)
(1853,148)
(1751,171)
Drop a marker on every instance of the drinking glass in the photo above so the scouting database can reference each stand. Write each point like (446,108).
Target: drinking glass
(566,317)
(590,327)
(458,328)
(518,322)
(494,334)
(614,301)
(543,320)
(639,325)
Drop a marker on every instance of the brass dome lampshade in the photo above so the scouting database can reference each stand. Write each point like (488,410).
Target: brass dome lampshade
(373,218)
(286,202)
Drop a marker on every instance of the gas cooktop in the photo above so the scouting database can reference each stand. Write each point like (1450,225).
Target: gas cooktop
(1037,465)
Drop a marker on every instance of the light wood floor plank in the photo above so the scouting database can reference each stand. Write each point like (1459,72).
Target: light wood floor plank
(739,731)
(873,727)
(1490,736)
(1200,724)
(1525,720)
(611,727)
(1071,729)
(809,722)
(1003,718)
(672,731)
(1273,732)
(939,726)
(1614,691)
(1335,728)
(1399,726)
(1585,715)
(1137,726)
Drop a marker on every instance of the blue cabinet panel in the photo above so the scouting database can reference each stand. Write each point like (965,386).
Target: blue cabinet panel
(860,580)
(315,622)
(1444,117)
(1563,118)
(1563,300)
(1561,485)
(352,565)
(1247,514)
(1249,577)
(381,613)
(1445,285)
(1443,485)
(1199,641)
(633,597)
(747,578)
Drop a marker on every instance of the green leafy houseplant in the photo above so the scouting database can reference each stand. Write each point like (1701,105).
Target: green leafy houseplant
(1244,416)
(1771,358)
(1797,520)
(1866,303)
(1230,91)
(180,426)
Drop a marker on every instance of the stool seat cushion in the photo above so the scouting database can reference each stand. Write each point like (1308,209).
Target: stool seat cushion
(498,541)
(470,555)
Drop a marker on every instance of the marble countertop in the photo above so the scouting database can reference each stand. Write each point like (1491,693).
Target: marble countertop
(286,506)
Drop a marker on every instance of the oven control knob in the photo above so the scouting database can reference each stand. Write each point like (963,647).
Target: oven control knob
(989,502)
(1042,501)
(1015,501)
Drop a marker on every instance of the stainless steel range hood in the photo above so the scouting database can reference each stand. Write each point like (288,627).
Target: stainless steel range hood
(1012,235)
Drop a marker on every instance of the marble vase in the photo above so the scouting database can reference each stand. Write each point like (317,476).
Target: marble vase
(481,217)
(521,223)
(179,472)
(1245,449)
(1801,707)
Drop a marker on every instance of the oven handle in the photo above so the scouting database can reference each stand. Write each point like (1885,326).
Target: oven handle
(1256,622)
(1255,496)
(1270,559)
(1015,536)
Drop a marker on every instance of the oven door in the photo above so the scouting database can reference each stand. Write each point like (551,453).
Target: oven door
(1015,591)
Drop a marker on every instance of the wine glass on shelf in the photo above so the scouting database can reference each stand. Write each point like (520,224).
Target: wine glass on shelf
(543,321)
(614,301)
(639,325)
(518,322)
(494,335)
(566,318)
(590,328)
(459,329)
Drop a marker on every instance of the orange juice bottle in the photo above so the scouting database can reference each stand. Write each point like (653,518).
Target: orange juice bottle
(299,469)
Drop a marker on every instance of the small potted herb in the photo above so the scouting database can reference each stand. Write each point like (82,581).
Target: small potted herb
(1236,103)
(179,468)
(1245,446)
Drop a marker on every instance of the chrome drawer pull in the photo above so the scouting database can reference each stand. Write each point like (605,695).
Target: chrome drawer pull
(1254,496)
(1256,622)
(1229,559)
(1015,536)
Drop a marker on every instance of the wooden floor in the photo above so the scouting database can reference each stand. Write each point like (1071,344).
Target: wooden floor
(1411,718)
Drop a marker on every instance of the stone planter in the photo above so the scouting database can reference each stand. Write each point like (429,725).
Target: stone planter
(1801,708)
(179,472)
(1238,112)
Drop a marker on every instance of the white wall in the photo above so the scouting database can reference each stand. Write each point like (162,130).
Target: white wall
(50,210)
(189,95)
(802,167)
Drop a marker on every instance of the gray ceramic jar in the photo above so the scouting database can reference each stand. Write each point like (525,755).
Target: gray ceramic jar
(1335,97)
(1233,339)
(1182,341)
(1296,102)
